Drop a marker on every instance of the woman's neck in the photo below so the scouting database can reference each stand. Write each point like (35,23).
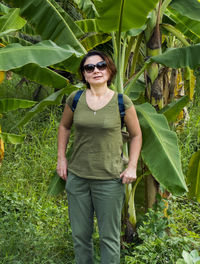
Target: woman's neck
(99,90)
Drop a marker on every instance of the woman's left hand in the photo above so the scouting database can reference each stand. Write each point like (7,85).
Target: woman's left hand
(128,175)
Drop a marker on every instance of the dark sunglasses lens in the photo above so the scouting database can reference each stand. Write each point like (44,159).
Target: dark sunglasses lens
(89,67)
(101,65)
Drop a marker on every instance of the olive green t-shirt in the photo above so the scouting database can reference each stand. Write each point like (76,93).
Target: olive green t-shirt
(97,139)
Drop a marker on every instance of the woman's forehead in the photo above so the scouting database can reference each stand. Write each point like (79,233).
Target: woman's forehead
(93,59)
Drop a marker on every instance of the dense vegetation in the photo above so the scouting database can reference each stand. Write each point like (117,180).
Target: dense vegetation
(35,226)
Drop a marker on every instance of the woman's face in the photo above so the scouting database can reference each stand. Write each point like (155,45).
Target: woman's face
(98,76)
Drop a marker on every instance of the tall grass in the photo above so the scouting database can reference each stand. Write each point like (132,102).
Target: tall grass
(34,226)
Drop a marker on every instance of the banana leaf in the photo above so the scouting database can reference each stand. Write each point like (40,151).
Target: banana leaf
(6,32)
(8,39)
(87,7)
(88,25)
(193,176)
(172,110)
(136,31)
(185,57)
(12,138)
(44,54)
(4,9)
(121,15)
(53,99)
(187,26)
(57,185)
(136,90)
(95,39)
(160,150)
(10,104)
(72,25)
(47,21)
(187,8)
(11,21)
(42,75)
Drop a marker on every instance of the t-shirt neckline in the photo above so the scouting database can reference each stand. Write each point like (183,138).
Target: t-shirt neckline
(101,107)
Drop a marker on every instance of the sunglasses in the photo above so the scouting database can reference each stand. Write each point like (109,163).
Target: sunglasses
(89,68)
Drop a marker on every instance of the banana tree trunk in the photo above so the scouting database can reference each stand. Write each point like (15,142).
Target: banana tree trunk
(154,93)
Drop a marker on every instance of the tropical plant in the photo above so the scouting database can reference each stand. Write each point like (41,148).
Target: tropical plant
(132,26)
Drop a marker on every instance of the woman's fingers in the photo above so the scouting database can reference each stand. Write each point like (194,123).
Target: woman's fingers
(62,168)
(128,176)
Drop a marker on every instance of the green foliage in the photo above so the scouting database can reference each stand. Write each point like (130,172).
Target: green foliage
(48,22)
(35,226)
(158,240)
(159,141)
(189,135)
(189,258)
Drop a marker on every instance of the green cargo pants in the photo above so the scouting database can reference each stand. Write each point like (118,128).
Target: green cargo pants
(105,198)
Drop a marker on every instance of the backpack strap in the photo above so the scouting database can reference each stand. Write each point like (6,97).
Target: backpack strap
(121,108)
(76,98)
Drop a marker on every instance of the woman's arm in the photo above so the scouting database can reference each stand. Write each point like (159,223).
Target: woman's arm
(133,127)
(63,138)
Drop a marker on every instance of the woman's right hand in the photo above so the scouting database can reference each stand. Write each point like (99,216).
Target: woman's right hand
(62,168)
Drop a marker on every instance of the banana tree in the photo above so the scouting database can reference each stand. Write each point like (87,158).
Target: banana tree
(124,22)
(30,61)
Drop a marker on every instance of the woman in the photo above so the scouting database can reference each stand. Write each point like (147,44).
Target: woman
(95,177)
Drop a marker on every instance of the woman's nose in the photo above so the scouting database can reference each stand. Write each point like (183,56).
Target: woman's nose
(96,69)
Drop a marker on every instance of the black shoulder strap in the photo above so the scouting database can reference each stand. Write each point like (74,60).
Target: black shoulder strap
(76,98)
(121,108)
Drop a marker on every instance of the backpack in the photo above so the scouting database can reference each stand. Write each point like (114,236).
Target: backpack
(120,104)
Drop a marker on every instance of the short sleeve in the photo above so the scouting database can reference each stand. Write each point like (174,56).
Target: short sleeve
(70,99)
(127,101)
